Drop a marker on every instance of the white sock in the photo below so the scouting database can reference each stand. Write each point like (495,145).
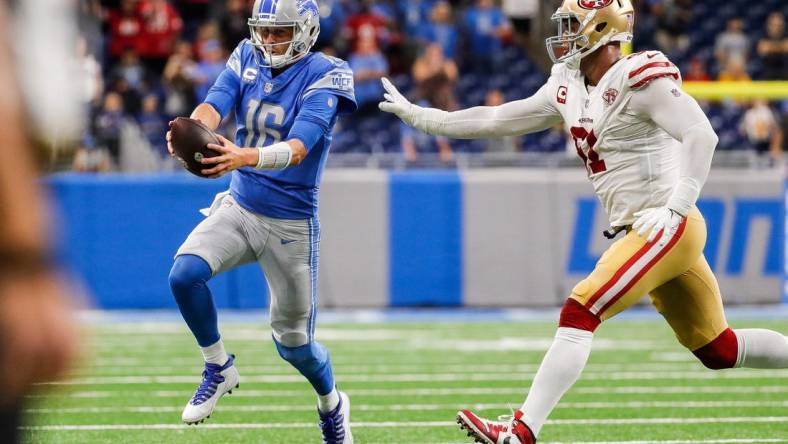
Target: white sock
(560,368)
(326,403)
(215,353)
(760,348)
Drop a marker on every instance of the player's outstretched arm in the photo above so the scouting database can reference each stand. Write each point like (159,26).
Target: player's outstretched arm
(533,114)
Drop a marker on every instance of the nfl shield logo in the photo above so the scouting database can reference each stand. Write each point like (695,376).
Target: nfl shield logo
(268,88)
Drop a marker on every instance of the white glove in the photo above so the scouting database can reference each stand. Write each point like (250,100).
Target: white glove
(656,220)
(396,103)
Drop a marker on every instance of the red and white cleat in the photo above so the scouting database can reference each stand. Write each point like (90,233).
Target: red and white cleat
(508,430)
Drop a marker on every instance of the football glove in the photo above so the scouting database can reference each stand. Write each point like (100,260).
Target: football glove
(656,220)
(397,104)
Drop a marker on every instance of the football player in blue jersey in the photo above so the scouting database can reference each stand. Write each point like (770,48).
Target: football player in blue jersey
(286,100)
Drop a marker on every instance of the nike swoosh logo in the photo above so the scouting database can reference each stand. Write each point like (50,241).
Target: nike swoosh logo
(286,241)
(651,56)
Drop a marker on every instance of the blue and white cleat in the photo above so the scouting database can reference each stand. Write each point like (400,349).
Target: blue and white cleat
(216,381)
(335,424)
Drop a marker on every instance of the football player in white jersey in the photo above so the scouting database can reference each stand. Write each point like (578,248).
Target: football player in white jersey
(647,147)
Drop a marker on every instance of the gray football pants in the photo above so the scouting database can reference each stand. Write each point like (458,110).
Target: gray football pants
(287,252)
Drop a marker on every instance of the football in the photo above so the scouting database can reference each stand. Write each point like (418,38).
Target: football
(189,140)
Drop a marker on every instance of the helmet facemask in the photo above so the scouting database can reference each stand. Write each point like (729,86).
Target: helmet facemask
(271,55)
(301,18)
(569,44)
(583,30)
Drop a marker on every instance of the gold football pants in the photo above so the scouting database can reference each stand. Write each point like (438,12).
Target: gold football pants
(676,276)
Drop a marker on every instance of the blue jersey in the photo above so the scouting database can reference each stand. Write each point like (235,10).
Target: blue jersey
(308,94)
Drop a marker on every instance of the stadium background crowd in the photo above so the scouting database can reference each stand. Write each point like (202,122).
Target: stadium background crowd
(146,61)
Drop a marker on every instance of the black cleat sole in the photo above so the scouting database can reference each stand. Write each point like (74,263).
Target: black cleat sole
(471,433)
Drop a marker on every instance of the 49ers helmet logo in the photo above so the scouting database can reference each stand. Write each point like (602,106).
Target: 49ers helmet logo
(593,4)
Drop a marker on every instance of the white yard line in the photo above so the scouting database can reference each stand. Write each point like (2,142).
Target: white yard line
(395,424)
(435,377)
(423,407)
(196,365)
(409,392)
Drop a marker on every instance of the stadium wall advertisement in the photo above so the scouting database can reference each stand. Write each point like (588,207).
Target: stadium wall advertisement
(483,238)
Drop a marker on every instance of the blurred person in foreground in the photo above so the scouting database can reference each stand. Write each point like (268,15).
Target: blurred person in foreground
(647,148)
(36,328)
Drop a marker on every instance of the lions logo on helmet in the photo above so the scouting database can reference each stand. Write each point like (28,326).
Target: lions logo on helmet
(302,16)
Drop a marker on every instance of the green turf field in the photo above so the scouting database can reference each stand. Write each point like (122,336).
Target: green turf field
(406,382)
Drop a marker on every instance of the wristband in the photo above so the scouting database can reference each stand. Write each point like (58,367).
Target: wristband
(274,157)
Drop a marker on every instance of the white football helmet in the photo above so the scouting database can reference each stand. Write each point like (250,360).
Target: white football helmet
(302,16)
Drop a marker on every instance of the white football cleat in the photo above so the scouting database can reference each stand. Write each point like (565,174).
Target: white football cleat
(335,424)
(216,381)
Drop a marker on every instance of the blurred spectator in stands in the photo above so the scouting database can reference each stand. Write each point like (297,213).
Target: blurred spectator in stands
(125,29)
(414,14)
(232,23)
(673,18)
(487,29)
(206,72)
(194,13)
(91,75)
(696,72)
(495,97)
(161,26)
(734,70)
(521,13)
(130,97)
(773,49)
(762,130)
(178,83)
(366,23)
(435,76)
(332,18)
(415,143)
(90,16)
(441,29)
(153,125)
(131,70)
(89,158)
(368,66)
(108,125)
(732,43)
(208,33)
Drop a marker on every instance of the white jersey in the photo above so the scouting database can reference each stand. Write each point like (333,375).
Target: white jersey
(632,162)
(643,147)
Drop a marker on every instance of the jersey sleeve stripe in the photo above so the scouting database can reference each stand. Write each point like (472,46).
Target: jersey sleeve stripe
(654,76)
(648,66)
